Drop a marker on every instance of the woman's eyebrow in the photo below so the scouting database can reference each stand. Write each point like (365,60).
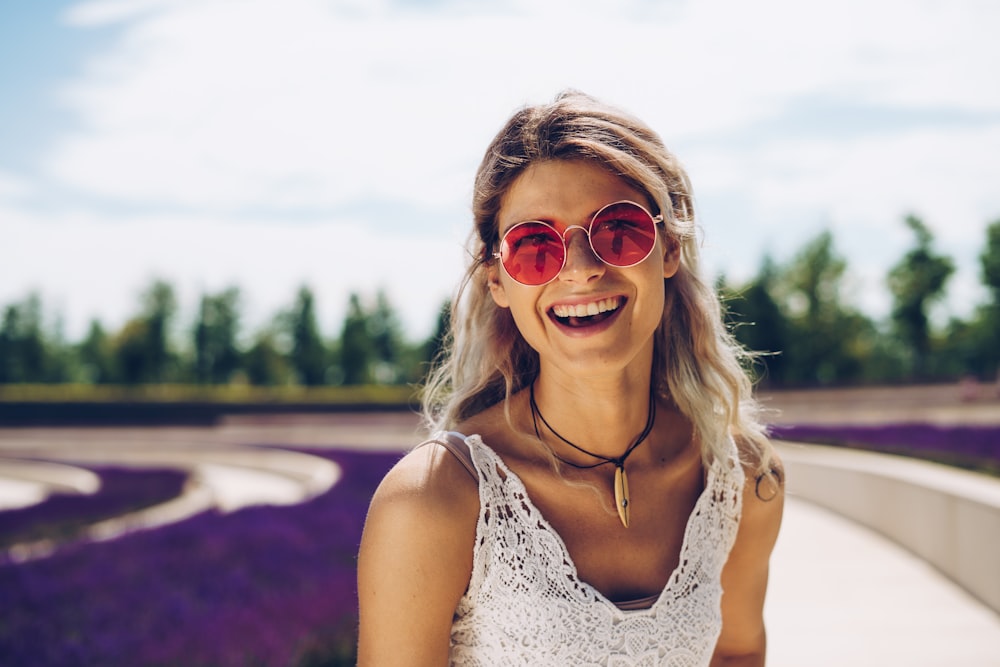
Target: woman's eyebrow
(502,228)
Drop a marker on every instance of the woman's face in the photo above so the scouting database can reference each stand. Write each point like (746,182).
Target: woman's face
(552,317)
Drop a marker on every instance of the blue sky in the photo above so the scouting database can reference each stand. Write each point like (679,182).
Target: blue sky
(272,143)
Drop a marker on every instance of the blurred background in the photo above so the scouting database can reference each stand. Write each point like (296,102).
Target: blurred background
(229,231)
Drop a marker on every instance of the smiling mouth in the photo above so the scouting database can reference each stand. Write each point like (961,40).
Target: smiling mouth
(586,314)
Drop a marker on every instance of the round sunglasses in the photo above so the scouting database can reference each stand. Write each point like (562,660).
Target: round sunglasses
(621,234)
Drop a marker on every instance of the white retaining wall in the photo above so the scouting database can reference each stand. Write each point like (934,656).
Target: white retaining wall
(948,517)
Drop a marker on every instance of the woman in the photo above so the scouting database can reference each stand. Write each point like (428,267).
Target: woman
(599,492)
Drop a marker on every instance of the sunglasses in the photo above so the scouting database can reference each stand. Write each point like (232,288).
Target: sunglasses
(621,234)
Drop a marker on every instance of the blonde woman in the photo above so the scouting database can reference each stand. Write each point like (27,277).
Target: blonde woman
(598,491)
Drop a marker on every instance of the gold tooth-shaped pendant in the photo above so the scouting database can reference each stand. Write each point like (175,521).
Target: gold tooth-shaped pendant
(621,494)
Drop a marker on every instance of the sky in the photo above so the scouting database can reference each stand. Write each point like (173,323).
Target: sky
(270,144)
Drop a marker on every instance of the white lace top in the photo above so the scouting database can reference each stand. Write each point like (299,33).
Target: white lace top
(525,604)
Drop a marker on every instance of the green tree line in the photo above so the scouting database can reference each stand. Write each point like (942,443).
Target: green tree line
(795,315)
(808,334)
(290,350)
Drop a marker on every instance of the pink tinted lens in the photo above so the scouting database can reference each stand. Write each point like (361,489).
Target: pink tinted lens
(532,253)
(623,234)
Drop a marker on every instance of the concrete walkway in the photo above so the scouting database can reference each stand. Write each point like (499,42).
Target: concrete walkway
(842,595)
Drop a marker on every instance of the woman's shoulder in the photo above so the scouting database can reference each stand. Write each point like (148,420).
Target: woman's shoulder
(422,519)
(764,475)
(758,457)
(416,553)
(431,479)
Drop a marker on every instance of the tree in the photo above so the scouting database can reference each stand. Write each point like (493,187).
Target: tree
(915,282)
(308,354)
(989,262)
(827,342)
(757,321)
(131,350)
(23,349)
(356,346)
(216,355)
(95,355)
(989,320)
(142,349)
(160,308)
(434,346)
(385,333)
(264,363)
(971,347)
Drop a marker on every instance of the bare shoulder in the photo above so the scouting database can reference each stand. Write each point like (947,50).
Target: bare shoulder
(415,559)
(423,514)
(763,497)
(429,483)
(762,465)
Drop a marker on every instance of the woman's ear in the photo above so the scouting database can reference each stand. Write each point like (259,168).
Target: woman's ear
(497,290)
(671,257)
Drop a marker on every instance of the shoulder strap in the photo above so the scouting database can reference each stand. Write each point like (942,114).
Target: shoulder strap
(455,443)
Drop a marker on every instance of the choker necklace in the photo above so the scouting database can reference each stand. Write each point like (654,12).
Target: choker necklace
(621,479)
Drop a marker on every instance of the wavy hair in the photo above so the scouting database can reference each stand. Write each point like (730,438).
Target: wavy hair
(697,363)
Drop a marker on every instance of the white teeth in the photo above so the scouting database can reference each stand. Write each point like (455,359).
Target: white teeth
(586,309)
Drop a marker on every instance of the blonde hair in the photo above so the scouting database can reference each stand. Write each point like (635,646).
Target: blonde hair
(697,363)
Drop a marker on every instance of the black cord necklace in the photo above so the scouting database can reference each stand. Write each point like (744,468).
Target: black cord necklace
(621,479)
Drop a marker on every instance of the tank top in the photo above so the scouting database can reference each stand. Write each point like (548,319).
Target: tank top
(526,605)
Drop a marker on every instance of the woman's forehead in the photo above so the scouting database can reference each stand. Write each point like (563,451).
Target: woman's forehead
(567,191)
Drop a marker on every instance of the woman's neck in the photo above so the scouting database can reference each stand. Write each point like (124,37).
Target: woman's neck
(601,415)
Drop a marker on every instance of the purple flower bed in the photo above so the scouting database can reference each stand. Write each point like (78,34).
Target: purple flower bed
(62,516)
(976,447)
(260,586)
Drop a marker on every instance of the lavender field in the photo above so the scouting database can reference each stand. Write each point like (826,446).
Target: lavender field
(260,586)
(973,447)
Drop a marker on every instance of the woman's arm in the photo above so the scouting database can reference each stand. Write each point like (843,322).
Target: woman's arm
(415,560)
(743,641)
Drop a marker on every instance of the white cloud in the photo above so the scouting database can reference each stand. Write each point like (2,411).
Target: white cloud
(933,173)
(229,105)
(206,117)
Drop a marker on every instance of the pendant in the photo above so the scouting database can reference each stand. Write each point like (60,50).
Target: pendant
(621,494)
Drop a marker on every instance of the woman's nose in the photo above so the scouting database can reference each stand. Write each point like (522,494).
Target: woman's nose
(581,263)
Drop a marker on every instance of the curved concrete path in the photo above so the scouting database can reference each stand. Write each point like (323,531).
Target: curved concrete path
(35,463)
(28,482)
(841,594)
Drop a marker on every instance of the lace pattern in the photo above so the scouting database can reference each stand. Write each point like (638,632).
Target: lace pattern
(526,604)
